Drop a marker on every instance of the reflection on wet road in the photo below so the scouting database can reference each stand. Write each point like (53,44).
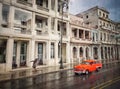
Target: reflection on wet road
(64,80)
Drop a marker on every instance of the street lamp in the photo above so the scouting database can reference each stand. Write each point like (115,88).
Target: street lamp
(64,3)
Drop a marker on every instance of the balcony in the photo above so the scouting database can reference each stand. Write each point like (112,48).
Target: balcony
(41,30)
(103,27)
(4,24)
(25,2)
(21,29)
(42,8)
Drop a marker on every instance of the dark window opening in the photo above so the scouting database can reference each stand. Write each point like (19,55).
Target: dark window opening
(3,44)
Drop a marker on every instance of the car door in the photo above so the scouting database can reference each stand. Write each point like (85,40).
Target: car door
(93,66)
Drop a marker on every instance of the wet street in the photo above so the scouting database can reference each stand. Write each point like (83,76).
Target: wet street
(107,78)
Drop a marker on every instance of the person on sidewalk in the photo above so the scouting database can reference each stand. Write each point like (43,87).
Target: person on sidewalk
(35,62)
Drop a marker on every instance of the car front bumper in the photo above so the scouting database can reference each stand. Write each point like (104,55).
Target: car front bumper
(80,72)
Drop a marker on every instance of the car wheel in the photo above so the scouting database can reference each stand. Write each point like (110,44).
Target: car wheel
(98,69)
(86,72)
(76,73)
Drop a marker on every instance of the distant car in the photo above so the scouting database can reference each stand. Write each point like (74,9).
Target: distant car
(87,66)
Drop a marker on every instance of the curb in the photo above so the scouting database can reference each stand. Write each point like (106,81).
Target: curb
(11,76)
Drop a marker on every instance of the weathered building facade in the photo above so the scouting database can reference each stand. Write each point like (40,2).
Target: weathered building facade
(31,29)
(106,31)
(80,41)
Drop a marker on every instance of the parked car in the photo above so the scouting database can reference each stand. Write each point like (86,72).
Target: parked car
(87,66)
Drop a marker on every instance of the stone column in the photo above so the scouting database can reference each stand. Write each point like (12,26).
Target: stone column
(104,53)
(71,53)
(68,29)
(56,6)
(77,33)
(28,52)
(107,53)
(84,52)
(110,54)
(90,35)
(11,17)
(83,34)
(114,51)
(99,53)
(56,24)
(90,53)
(33,25)
(18,53)
(78,54)
(31,53)
(49,25)
(36,50)
(34,4)
(56,52)
(49,4)
(68,51)
(9,54)
(48,51)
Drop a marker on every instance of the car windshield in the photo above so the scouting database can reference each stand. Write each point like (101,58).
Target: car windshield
(84,62)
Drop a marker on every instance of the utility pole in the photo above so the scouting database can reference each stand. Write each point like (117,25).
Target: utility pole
(64,4)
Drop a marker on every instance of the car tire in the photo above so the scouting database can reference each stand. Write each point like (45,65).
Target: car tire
(76,73)
(86,72)
(98,69)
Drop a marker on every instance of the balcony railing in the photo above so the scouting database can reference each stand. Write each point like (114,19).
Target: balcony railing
(38,32)
(42,8)
(22,31)
(24,2)
(4,23)
(41,30)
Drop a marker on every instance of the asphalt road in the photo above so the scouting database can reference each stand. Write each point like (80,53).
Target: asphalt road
(107,78)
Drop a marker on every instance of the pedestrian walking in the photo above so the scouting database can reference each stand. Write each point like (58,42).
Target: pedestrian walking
(35,62)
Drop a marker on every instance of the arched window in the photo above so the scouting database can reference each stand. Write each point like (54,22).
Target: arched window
(95,54)
(102,53)
(81,52)
(109,52)
(74,52)
(112,52)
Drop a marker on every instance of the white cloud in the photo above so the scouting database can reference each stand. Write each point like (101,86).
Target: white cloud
(77,6)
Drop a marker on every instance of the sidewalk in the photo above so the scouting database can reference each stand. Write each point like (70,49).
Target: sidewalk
(29,72)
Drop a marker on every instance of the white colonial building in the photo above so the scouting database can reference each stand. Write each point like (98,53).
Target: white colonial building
(80,41)
(31,29)
(105,33)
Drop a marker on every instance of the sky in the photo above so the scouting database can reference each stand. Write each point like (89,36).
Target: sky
(113,6)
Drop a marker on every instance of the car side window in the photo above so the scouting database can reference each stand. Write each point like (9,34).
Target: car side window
(91,63)
(95,62)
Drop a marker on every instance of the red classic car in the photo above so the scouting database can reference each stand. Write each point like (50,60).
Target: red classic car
(88,66)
